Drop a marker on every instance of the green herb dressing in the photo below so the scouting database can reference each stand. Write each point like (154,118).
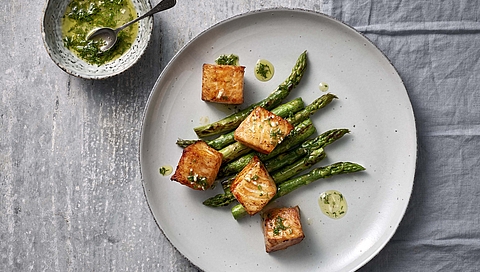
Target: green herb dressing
(231,59)
(333,204)
(323,86)
(165,170)
(279,226)
(264,70)
(83,16)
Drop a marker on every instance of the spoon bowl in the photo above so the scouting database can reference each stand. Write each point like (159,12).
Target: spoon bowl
(109,36)
(105,34)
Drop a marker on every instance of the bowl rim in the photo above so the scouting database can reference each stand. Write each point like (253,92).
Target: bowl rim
(65,68)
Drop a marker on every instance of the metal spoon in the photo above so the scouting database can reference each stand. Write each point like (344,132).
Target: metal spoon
(109,35)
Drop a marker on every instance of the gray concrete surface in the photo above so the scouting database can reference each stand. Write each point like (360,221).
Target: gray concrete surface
(71,194)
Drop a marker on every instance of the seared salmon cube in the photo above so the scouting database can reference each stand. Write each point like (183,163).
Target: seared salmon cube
(198,166)
(282,228)
(223,83)
(253,187)
(262,130)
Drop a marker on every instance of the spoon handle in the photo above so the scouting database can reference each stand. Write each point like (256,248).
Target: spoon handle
(163,5)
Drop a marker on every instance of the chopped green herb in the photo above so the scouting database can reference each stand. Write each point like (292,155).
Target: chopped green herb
(198,181)
(263,70)
(275,133)
(279,226)
(227,60)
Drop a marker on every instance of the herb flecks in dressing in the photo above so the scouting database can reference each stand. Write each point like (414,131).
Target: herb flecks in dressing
(333,204)
(264,70)
(165,170)
(82,16)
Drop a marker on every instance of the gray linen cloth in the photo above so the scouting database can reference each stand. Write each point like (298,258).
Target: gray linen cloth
(435,46)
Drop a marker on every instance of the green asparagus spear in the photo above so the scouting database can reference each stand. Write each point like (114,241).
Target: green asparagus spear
(288,158)
(313,148)
(299,134)
(233,151)
(275,98)
(224,199)
(285,110)
(279,177)
(295,137)
(235,166)
(285,158)
(283,174)
(291,111)
(292,161)
(318,173)
(185,142)
(238,211)
(317,104)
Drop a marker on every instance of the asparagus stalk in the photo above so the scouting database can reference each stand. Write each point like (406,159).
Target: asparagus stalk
(235,166)
(285,158)
(275,98)
(279,177)
(238,211)
(291,111)
(312,108)
(294,138)
(232,151)
(316,174)
(284,110)
(299,134)
(313,148)
(224,199)
(291,140)
(300,116)
(308,147)
(284,174)
(227,197)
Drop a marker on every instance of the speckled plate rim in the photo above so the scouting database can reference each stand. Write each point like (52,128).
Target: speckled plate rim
(409,175)
(147,23)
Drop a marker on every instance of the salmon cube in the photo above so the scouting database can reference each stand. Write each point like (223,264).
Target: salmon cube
(282,228)
(223,83)
(253,187)
(262,130)
(198,166)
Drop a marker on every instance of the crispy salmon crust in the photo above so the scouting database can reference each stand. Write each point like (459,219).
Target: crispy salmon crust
(198,166)
(282,228)
(253,187)
(223,83)
(262,130)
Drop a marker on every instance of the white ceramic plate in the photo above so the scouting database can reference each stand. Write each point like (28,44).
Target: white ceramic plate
(373,104)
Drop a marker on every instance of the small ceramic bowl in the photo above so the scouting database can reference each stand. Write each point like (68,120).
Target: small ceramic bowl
(70,63)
